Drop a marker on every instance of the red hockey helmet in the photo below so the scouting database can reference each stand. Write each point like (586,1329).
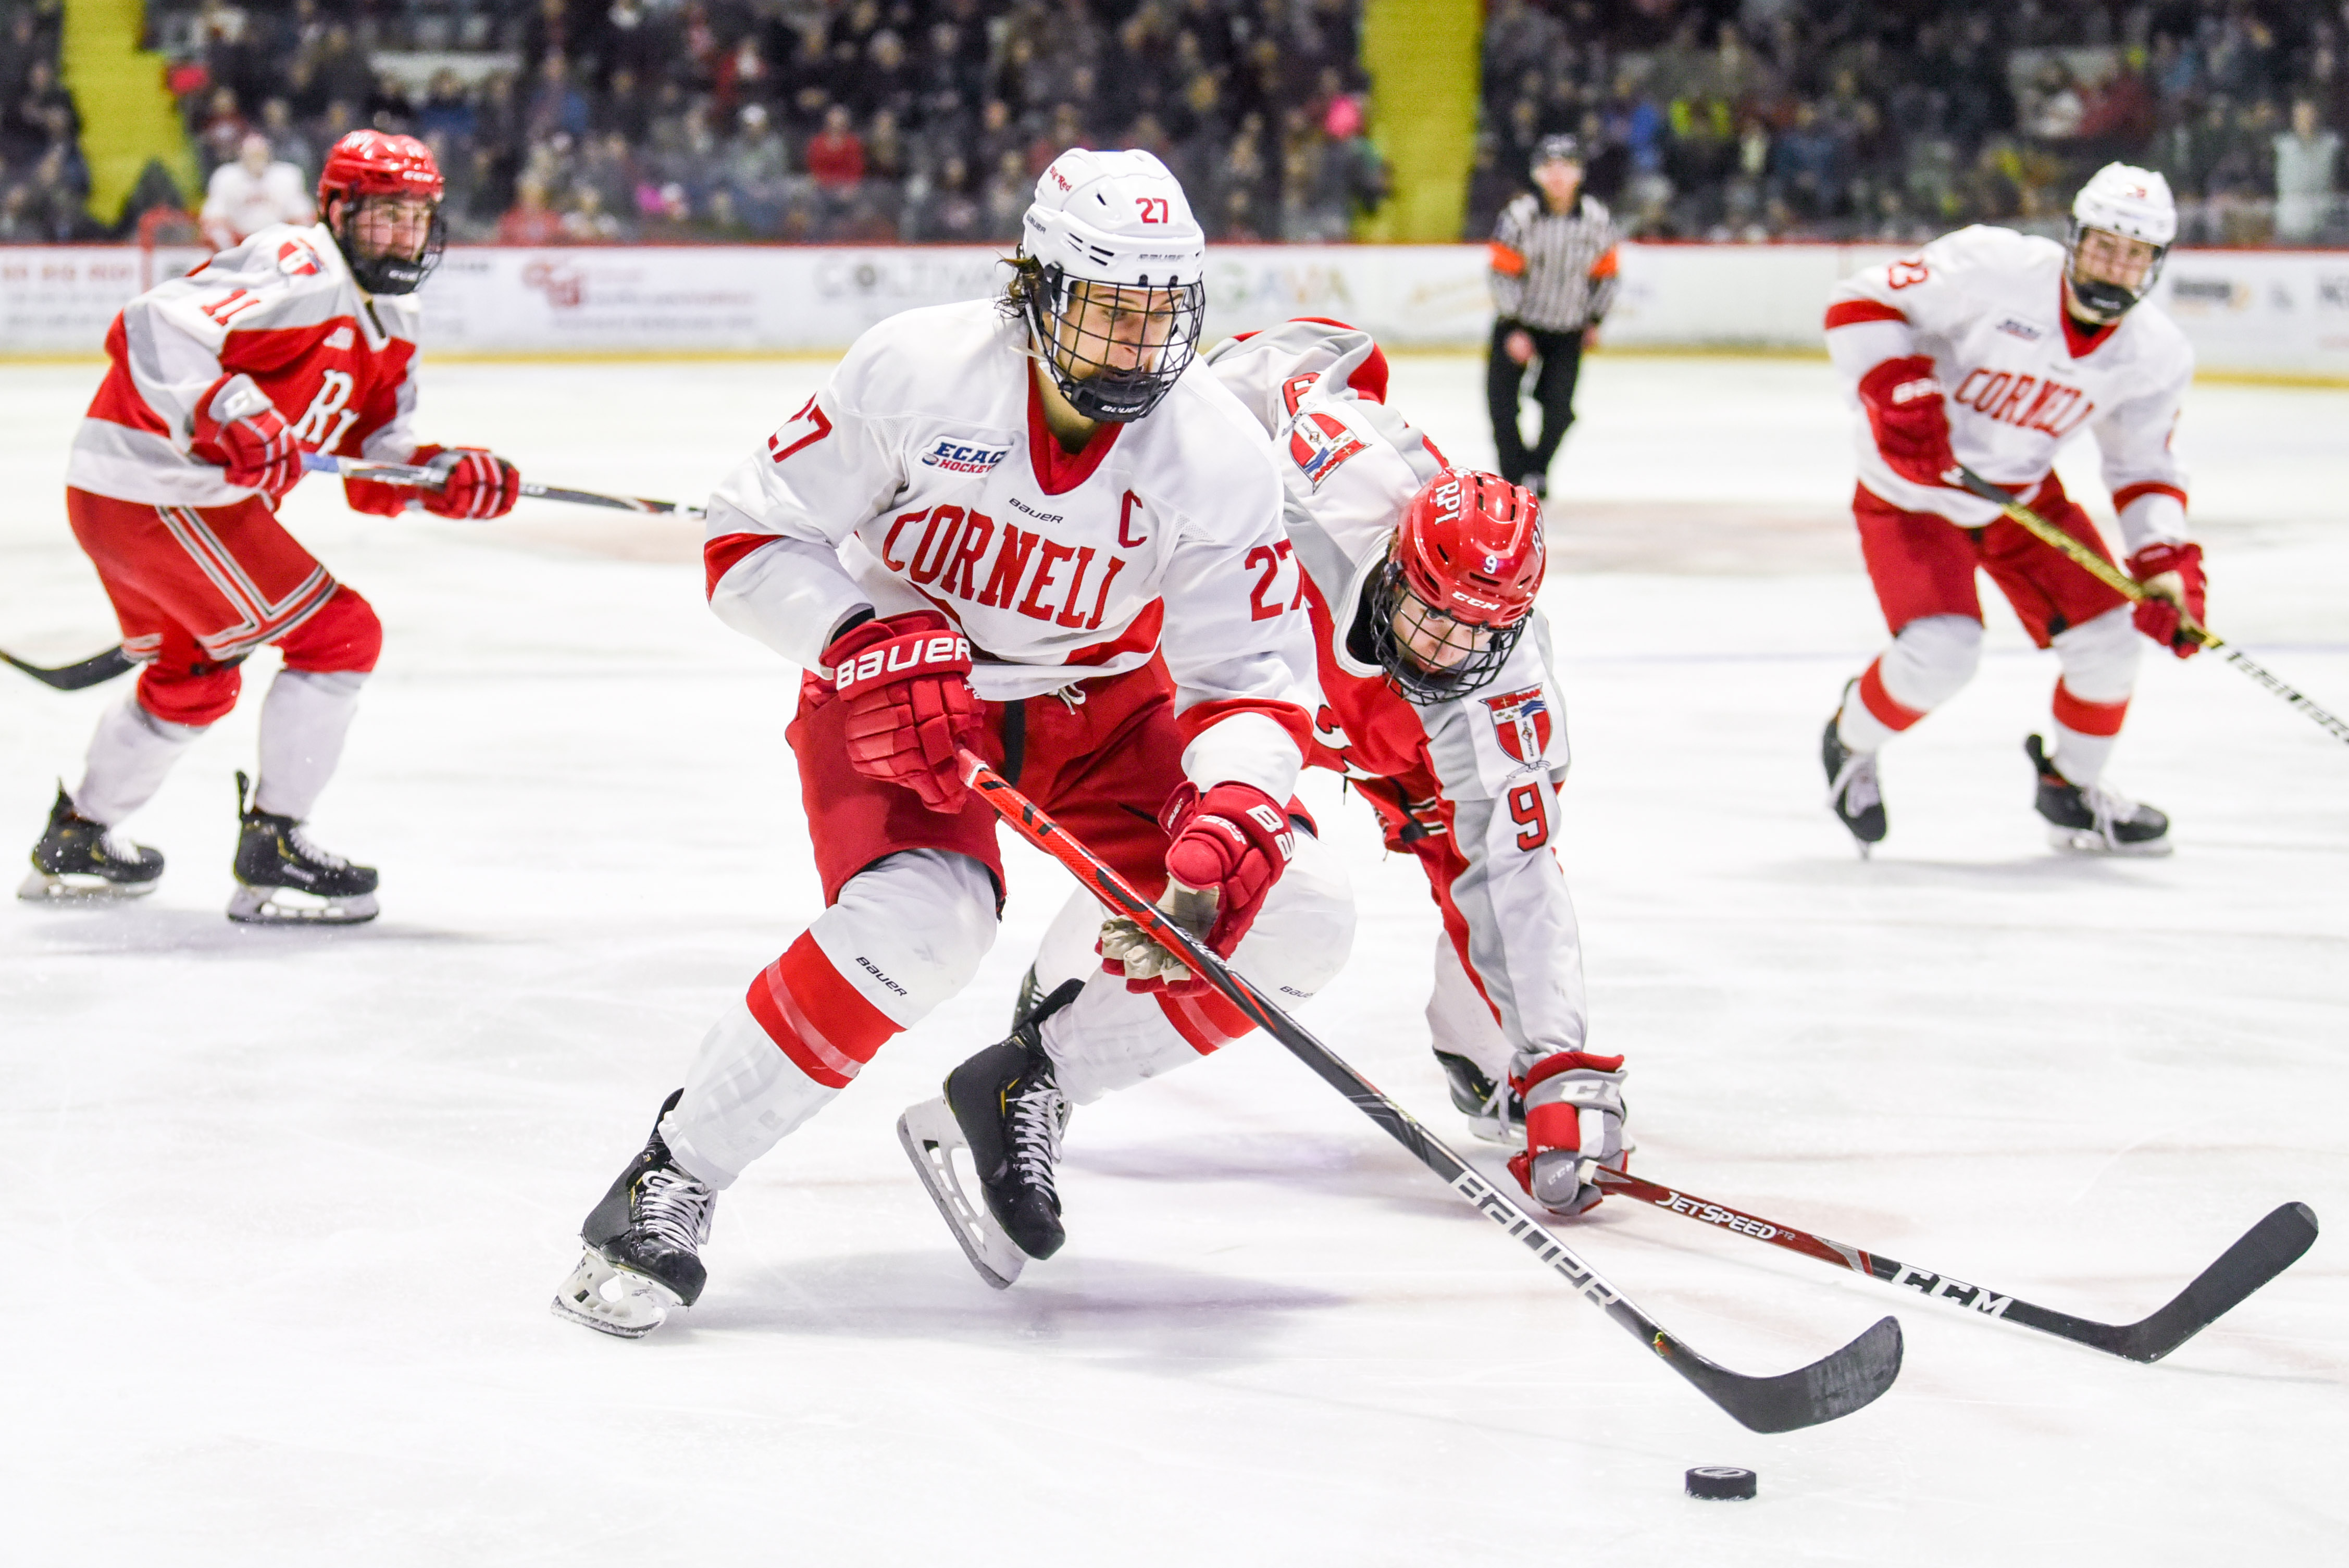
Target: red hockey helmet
(1470,553)
(367,163)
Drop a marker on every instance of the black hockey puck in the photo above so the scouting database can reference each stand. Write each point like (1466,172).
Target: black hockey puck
(1723,1483)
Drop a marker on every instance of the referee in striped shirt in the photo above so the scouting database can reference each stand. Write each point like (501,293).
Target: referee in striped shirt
(1553,278)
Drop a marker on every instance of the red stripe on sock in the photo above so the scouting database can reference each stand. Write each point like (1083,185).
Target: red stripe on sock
(1205,1022)
(1879,701)
(2088,717)
(815,1017)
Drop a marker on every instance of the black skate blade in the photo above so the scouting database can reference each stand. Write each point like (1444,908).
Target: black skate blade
(288,907)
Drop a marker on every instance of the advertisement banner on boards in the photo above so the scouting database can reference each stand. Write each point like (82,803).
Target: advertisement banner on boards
(2273,311)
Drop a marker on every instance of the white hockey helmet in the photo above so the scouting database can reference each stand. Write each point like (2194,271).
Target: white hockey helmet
(2134,203)
(1116,219)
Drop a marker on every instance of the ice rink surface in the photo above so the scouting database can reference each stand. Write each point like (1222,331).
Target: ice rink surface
(284,1209)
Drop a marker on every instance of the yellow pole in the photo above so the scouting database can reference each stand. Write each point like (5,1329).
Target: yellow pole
(128,117)
(1423,57)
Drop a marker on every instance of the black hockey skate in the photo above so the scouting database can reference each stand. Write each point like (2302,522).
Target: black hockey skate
(79,859)
(1853,793)
(1496,1112)
(2093,821)
(1005,1112)
(285,880)
(643,1241)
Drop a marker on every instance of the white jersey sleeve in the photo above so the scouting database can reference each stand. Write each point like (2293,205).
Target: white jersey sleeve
(2141,469)
(823,473)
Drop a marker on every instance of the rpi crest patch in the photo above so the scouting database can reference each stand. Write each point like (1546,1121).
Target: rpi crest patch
(1319,443)
(1521,723)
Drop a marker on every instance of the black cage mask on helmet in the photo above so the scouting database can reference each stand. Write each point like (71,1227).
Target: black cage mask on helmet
(1110,395)
(1383,596)
(2106,301)
(387,274)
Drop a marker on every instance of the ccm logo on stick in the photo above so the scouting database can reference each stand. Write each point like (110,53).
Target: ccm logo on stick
(1926,1282)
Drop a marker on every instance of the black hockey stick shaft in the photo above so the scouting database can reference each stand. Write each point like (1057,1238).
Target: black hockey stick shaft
(2129,588)
(1834,1385)
(95,670)
(2265,1251)
(425,478)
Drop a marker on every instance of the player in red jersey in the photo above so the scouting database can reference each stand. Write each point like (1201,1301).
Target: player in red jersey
(301,339)
(1442,708)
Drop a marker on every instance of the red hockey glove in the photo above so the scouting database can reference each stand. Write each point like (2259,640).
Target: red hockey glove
(1910,419)
(239,429)
(910,704)
(1230,846)
(474,482)
(1574,1122)
(2172,575)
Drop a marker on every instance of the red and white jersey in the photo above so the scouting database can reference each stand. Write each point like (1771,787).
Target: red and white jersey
(339,364)
(1482,769)
(923,477)
(2022,377)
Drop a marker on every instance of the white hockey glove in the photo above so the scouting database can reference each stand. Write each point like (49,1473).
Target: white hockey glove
(1574,1123)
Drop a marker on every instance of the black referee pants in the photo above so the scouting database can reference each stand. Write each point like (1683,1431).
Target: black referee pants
(1557,364)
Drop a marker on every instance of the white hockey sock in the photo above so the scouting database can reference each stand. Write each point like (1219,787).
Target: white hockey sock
(741,1099)
(2082,757)
(303,722)
(1858,729)
(129,757)
(1459,1020)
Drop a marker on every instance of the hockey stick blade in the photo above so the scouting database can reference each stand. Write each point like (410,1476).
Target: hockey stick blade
(95,670)
(2265,1251)
(1834,1385)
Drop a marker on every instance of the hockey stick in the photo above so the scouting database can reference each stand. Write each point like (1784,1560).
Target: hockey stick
(425,478)
(1836,1385)
(105,667)
(95,670)
(2265,1251)
(2129,588)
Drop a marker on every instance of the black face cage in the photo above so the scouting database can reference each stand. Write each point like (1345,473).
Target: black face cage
(390,274)
(1175,317)
(1385,593)
(2108,300)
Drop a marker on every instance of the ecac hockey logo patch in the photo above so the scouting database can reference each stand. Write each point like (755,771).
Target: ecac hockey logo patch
(961,458)
(1521,723)
(1319,443)
(297,259)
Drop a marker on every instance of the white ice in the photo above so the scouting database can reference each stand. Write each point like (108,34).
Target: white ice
(283,1209)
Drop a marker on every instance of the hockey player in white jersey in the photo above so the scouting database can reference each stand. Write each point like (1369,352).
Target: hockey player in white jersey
(1033,526)
(1442,708)
(1989,349)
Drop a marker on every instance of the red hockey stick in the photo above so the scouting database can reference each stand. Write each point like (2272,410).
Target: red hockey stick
(2265,1251)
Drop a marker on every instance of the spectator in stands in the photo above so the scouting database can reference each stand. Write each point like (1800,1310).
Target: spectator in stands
(835,156)
(2304,159)
(251,192)
(529,222)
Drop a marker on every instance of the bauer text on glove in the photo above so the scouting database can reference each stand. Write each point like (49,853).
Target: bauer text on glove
(1910,419)
(910,706)
(1230,845)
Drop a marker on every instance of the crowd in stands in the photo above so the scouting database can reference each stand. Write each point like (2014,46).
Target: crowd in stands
(44,183)
(1900,119)
(607,120)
